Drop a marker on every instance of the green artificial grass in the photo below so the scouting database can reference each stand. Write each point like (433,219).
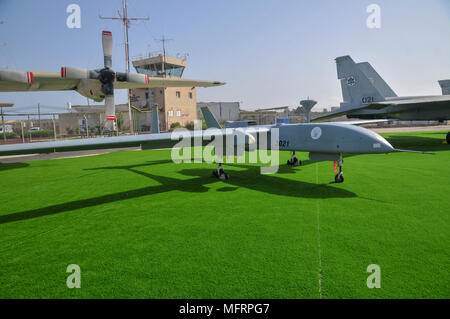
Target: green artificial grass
(140,226)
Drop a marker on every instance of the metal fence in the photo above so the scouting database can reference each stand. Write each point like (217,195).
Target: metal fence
(36,127)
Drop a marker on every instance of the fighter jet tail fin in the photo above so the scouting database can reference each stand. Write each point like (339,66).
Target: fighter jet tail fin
(155,119)
(357,89)
(381,85)
(445,86)
(210,120)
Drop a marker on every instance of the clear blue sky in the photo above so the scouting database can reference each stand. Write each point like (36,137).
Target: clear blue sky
(270,52)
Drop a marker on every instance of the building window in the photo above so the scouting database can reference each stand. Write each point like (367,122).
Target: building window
(190,95)
(178,94)
(178,113)
(146,95)
(170,113)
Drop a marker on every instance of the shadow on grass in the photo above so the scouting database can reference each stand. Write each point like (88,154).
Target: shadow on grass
(249,178)
(8,166)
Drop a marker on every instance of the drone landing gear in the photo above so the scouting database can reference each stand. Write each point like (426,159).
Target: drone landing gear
(220,173)
(339,178)
(294,161)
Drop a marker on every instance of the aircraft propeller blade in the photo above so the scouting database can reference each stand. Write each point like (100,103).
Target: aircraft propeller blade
(132,77)
(16,76)
(76,73)
(107,48)
(110,111)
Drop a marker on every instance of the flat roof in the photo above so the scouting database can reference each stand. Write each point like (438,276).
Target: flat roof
(159,59)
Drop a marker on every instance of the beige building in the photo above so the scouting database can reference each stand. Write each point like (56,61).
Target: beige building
(176,105)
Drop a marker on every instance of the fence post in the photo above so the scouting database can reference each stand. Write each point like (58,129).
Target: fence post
(3,126)
(21,128)
(54,126)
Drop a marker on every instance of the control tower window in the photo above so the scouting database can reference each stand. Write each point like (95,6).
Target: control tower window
(156,69)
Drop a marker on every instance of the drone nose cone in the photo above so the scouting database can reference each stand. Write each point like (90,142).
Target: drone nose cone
(380,145)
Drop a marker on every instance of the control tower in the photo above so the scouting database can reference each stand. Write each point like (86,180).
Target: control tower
(176,105)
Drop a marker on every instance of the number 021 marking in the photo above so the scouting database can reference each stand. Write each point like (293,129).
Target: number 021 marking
(367,99)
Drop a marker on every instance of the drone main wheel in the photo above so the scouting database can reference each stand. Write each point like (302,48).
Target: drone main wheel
(339,178)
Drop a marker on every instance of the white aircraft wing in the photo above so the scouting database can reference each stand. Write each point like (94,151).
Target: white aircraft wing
(154,82)
(16,81)
(146,141)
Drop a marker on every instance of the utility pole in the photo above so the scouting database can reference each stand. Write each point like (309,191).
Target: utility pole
(29,127)
(54,126)
(3,125)
(126,23)
(163,40)
(21,128)
(86,125)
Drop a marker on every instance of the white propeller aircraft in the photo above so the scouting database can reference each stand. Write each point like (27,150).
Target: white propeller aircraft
(98,84)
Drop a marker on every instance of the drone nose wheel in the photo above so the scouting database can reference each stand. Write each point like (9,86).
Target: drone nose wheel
(294,161)
(220,173)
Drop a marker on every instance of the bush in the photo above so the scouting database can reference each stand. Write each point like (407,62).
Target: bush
(190,126)
(43,133)
(175,125)
(9,135)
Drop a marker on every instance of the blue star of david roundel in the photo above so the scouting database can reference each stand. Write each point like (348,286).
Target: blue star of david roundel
(351,80)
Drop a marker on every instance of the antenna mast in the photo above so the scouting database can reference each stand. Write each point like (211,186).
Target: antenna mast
(163,40)
(126,23)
